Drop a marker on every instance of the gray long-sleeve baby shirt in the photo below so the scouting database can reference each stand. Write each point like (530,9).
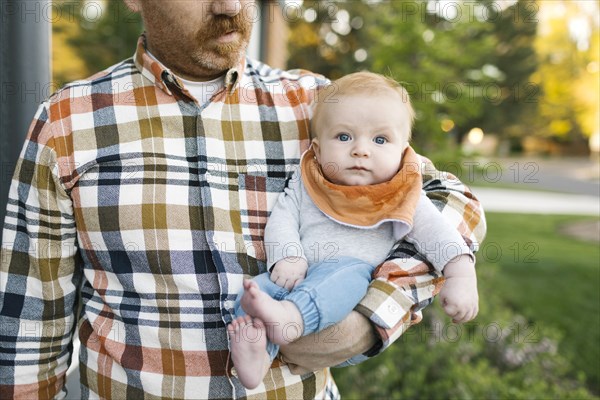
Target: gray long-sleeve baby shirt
(298,228)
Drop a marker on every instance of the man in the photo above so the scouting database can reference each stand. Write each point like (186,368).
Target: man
(138,205)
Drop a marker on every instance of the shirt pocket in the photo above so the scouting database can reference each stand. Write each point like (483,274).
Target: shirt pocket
(138,213)
(258,195)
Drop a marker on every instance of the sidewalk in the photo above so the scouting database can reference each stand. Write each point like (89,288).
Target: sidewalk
(534,202)
(576,175)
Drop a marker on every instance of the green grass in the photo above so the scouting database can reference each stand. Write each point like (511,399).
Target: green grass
(551,279)
(541,289)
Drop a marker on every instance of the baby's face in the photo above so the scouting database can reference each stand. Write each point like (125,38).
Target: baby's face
(360,139)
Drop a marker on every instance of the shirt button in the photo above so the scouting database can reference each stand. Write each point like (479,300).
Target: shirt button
(392,308)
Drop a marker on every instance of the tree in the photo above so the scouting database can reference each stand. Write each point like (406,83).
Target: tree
(434,51)
(329,37)
(465,64)
(109,33)
(513,101)
(568,74)
(67,65)
(94,35)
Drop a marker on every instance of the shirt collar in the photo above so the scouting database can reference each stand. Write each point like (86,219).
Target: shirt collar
(162,77)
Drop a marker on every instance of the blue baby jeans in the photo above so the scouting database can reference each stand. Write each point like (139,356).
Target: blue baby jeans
(329,292)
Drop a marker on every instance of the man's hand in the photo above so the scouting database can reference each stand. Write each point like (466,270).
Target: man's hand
(289,272)
(332,346)
(459,295)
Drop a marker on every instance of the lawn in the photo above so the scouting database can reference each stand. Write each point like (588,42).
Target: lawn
(551,279)
(537,334)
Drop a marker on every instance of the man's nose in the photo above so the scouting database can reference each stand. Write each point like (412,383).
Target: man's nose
(230,8)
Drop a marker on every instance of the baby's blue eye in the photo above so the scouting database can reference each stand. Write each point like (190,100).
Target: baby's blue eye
(380,140)
(343,137)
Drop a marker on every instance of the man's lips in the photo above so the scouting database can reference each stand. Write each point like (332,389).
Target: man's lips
(227,37)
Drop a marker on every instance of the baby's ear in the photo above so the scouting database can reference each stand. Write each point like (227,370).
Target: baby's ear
(316,148)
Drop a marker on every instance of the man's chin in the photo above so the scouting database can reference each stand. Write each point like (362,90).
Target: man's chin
(218,61)
(230,53)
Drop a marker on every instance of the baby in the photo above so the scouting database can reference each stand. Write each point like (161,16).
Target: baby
(357,193)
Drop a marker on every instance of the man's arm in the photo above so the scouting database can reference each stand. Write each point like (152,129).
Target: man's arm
(355,335)
(38,283)
(402,286)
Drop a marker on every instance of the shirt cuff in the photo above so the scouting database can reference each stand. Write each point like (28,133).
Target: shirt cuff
(401,288)
(449,251)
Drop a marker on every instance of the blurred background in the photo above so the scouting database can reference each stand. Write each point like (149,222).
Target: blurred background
(507,99)
(523,74)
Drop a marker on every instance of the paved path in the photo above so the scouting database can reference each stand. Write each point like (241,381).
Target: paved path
(535,202)
(577,175)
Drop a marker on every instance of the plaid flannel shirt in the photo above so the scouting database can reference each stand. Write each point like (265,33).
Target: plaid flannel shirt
(134,214)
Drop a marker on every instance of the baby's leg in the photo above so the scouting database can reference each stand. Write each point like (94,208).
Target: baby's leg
(330,292)
(282,318)
(248,350)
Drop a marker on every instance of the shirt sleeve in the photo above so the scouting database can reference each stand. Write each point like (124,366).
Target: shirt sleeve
(282,232)
(406,283)
(38,278)
(434,237)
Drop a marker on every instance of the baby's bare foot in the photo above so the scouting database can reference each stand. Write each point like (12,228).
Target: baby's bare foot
(282,318)
(249,350)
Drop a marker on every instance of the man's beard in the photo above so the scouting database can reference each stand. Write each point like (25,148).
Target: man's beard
(220,56)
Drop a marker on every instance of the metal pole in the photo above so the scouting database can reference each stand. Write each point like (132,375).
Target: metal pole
(25,42)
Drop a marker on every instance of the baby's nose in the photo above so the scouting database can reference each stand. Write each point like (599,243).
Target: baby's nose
(360,150)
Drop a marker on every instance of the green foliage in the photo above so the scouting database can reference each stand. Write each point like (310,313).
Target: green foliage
(109,36)
(432,57)
(568,75)
(527,342)
(514,97)
(470,69)
(563,276)
(514,71)
(91,36)
(320,47)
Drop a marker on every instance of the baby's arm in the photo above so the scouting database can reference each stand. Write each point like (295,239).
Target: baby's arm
(459,296)
(285,256)
(447,251)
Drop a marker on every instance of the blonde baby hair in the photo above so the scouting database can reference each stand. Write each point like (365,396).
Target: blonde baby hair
(360,83)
